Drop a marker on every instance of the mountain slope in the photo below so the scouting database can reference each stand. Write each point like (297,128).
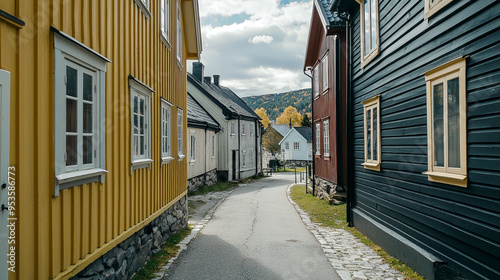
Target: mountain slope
(276,103)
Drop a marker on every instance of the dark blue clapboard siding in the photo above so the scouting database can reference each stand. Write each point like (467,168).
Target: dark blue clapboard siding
(461,226)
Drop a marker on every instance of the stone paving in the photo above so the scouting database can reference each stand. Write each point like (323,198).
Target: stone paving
(350,257)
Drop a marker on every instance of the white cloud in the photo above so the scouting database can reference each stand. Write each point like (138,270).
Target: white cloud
(260,47)
(265,39)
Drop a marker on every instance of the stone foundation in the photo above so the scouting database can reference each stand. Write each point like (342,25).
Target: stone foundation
(328,191)
(128,257)
(207,179)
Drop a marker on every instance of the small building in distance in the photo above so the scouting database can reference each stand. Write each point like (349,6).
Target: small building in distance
(296,146)
(271,138)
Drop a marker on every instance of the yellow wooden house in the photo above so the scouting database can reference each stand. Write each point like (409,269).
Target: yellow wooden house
(93,122)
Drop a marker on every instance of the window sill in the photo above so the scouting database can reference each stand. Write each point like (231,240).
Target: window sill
(447,178)
(372,166)
(140,163)
(166,160)
(369,57)
(78,178)
(165,41)
(192,162)
(326,157)
(325,91)
(143,8)
(181,157)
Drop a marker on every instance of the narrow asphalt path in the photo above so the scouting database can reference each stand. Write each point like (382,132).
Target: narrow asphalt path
(255,234)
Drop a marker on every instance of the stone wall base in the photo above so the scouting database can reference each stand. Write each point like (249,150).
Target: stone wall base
(207,179)
(128,257)
(328,191)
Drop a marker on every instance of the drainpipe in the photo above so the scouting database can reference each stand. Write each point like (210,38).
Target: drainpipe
(313,185)
(256,154)
(206,151)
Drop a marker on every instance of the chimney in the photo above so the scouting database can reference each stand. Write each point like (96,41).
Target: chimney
(198,69)
(208,80)
(216,80)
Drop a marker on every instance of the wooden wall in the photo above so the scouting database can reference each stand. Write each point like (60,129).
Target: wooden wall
(461,226)
(59,236)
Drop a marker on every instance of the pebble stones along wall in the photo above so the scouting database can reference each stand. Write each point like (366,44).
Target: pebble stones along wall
(207,179)
(129,256)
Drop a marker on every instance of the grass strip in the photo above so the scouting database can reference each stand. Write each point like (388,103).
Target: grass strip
(334,216)
(219,187)
(160,259)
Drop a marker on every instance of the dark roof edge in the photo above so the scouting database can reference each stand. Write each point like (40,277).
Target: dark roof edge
(208,114)
(227,112)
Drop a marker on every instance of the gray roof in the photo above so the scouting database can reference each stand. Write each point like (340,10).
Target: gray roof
(332,18)
(231,104)
(306,132)
(199,117)
(282,129)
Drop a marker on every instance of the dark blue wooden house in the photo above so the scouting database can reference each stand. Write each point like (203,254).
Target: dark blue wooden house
(423,108)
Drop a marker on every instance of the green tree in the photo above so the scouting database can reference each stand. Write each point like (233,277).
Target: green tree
(306,121)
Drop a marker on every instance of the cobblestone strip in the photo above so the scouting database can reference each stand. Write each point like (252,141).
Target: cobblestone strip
(197,227)
(352,259)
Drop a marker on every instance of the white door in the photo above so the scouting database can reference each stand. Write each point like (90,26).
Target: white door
(4,166)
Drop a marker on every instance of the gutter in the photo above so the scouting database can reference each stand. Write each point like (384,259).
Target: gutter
(313,152)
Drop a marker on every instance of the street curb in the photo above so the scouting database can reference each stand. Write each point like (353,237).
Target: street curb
(194,233)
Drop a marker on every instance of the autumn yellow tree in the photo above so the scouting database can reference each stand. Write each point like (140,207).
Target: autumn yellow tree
(261,112)
(290,113)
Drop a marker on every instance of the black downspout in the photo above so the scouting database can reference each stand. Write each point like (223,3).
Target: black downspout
(349,119)
(313,185)
(338,89)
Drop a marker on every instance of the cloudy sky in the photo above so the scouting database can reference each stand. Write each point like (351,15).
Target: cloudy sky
(257,46)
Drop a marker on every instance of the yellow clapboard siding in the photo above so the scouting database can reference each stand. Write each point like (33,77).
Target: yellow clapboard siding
(56,233)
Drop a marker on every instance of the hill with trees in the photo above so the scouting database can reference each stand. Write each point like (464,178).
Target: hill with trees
(276,103)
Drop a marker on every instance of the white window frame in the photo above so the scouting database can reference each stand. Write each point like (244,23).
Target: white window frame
(443,74)
(243,129)
(4,144)
(326,138)
(316,81)
(318,138)
(431,8)
(233,128)
(179,33)
(68,50)
(165,22)
(166,131)
(296,146)
(252,128)
(372,52)
(192,146)
(251,157)
(243,158)
(213,146)
(141,92)
(287,146)
(144,7)
(368,107)
(180,134)
(324,67)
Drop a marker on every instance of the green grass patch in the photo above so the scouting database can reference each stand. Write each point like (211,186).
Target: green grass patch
(219,187)
(158,260)
(334,216)
(299,169)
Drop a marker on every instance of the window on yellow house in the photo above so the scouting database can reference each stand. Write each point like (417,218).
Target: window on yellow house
(79,111)
(371,108)
(144,6)
(166,154)
(140,100)
(165,21)
(179,33)
(180,133)
(447,123)
(370,38)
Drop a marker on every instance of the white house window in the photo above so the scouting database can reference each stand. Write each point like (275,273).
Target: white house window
(324,64)
(244,158)
(193,145)
(318,139)
(213,145)
(166,154)
(165,19)
(296,146)
(370,39)
(140,100)
(180,133)
(251,157)
(252,128)
(372,141)
(179,32)
(326,138)
(243,132)
(287,146)
(316,81)
(79,113)
(447,123)
(233,128)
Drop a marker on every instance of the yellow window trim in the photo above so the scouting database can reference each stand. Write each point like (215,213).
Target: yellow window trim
(372,164)
(373,53)
(430,9)
(443,73)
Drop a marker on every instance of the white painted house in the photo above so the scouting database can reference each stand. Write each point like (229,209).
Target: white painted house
(239,140)
(202,146)
(297,144)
